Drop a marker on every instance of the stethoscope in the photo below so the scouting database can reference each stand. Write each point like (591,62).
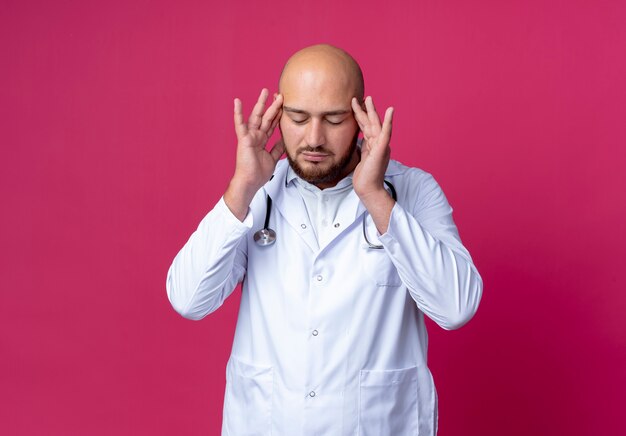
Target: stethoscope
(267,236)
(392,190)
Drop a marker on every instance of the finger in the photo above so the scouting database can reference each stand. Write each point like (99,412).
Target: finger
(371,112)
(240,126)
(257,112)
(277,150)
(277,113)
(275,123)
(359,114)
(271,113)
(386,130)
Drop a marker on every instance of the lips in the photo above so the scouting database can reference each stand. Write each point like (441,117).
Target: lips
(314,156)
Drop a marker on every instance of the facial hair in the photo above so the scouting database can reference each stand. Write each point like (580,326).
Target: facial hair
(318,174)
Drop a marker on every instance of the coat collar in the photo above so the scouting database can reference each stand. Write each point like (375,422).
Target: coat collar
(287,201)
(279,178)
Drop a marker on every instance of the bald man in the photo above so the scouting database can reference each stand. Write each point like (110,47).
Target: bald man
(341,252)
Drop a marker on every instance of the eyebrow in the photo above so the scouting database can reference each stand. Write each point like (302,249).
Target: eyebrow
(300,111)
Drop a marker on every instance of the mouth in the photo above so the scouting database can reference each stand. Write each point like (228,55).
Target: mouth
(311,156)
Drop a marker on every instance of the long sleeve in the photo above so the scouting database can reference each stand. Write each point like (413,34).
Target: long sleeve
(207,269)
(425,247)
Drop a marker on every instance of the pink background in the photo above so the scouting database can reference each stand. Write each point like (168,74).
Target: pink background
(116,137)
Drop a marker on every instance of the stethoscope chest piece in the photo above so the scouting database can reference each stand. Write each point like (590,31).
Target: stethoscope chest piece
(265,237)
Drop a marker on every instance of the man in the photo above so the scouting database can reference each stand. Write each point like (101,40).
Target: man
(330,338)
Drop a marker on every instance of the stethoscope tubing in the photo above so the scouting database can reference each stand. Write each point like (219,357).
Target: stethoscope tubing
(394,195)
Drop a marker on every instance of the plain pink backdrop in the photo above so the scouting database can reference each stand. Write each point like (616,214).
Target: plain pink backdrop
(116,136)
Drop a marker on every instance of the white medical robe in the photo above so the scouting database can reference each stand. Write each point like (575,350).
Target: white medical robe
(331,340)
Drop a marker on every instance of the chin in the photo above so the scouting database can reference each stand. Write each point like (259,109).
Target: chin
(318,173)
(312,172)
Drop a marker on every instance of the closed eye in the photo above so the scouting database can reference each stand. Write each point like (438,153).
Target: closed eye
(296,120)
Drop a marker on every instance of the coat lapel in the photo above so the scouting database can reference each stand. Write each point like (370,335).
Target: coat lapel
(290,205)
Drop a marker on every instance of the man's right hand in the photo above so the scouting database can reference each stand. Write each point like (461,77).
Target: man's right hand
(255,164)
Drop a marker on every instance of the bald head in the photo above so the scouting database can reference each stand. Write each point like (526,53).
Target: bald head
(317,123)
(319,65)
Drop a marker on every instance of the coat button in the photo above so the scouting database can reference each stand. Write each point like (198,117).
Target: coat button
(303,225)
(319,278)
(312,394)
(314,332)
(337,225)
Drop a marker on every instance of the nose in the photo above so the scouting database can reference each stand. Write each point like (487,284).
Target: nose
(315,133)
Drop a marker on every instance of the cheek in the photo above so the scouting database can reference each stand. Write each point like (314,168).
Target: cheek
(288,128)
(346,135)
(289,134)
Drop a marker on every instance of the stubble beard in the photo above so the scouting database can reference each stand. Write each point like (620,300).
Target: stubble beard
(317,174)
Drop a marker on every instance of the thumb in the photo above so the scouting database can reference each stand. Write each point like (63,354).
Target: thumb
(278,149)
(365,150)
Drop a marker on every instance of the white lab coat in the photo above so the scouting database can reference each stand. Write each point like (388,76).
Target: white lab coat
(331,341)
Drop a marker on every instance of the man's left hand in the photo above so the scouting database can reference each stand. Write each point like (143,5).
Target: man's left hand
(369,174)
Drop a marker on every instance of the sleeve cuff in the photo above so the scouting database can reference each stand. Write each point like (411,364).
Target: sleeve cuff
(390,235)
(231,219)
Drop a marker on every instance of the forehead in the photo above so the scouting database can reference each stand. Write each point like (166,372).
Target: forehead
(318,78)
(317,90)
